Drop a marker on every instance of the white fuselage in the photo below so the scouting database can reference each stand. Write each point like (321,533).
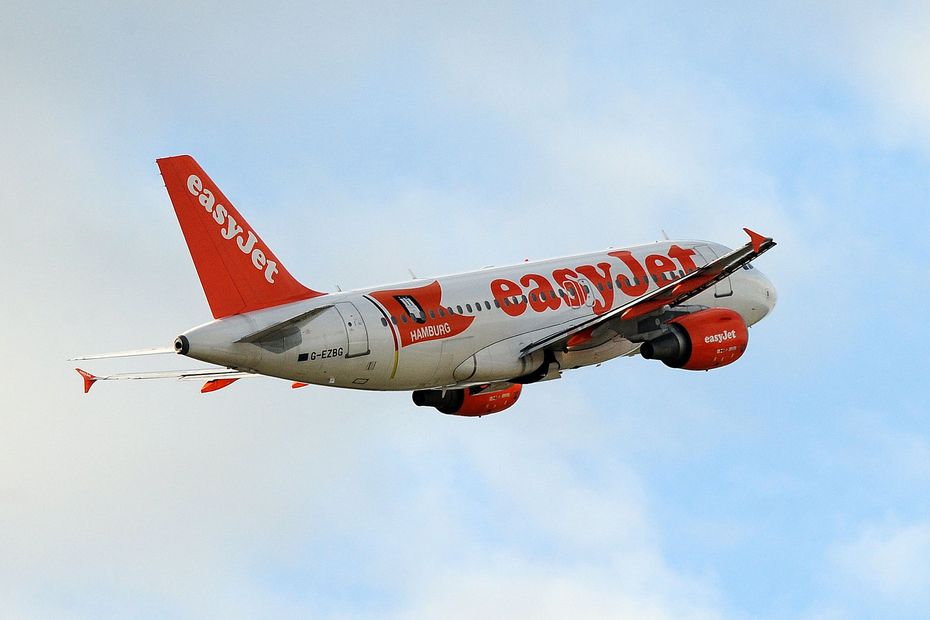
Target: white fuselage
(469,328)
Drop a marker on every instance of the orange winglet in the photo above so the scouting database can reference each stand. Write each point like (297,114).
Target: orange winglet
(298,384)
(89,379)
(216,384)
(756,239)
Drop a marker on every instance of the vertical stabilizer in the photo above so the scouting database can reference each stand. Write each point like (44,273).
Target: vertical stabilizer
(239,273)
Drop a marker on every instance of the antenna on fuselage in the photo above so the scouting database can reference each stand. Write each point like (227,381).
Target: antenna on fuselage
(665,234)
(412,275)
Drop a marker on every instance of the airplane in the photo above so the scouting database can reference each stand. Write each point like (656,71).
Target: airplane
(464,344)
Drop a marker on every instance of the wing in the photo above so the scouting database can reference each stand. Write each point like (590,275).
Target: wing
(216,377)
(672,294)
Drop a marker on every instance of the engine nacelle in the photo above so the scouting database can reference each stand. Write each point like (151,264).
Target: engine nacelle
(700,341)
(469,402)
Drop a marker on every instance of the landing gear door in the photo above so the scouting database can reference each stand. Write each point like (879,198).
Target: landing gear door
(356,331)
(723,288)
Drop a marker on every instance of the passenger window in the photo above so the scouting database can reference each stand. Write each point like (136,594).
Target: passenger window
(497,304)
(542,295)
(384,321)
(459,309)
(403,318)
(442,312)
(393,319)
(524,299)
(600,286)
(478,306)
(468,307)
(487,305)
(432,314)
(533,297)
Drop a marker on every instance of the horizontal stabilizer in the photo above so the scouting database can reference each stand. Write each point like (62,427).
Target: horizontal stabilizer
(133,353)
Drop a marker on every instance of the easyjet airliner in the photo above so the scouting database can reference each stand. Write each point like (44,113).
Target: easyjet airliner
(465,344)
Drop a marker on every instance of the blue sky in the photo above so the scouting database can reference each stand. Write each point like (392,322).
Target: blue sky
(363,140)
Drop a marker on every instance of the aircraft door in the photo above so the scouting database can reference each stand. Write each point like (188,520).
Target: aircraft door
(723,288)
(356,331)
(587,291)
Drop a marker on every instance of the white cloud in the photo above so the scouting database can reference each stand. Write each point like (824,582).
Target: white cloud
(890,55)
(892,560)
(510,588)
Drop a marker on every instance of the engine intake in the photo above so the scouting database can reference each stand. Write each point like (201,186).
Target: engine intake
(470,402)
(700,341)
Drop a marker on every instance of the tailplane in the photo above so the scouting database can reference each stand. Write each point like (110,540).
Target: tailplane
(239,273)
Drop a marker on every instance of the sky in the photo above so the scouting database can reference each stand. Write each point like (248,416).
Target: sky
(363,140)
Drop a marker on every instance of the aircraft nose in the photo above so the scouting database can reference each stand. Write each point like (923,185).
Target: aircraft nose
(769,295)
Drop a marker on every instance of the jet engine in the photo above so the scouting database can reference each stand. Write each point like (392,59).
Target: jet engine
(471,402)
(700,341)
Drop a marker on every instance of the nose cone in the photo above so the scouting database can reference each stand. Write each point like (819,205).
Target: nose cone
(771,295)
(765,296)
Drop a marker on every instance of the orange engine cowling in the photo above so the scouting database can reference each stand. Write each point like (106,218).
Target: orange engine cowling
(471,402)
(700,341)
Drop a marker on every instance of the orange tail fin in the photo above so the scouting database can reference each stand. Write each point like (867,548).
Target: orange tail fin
(239,273)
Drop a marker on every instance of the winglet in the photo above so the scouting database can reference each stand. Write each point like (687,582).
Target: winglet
(756,239)
(89,379)
(216,384)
